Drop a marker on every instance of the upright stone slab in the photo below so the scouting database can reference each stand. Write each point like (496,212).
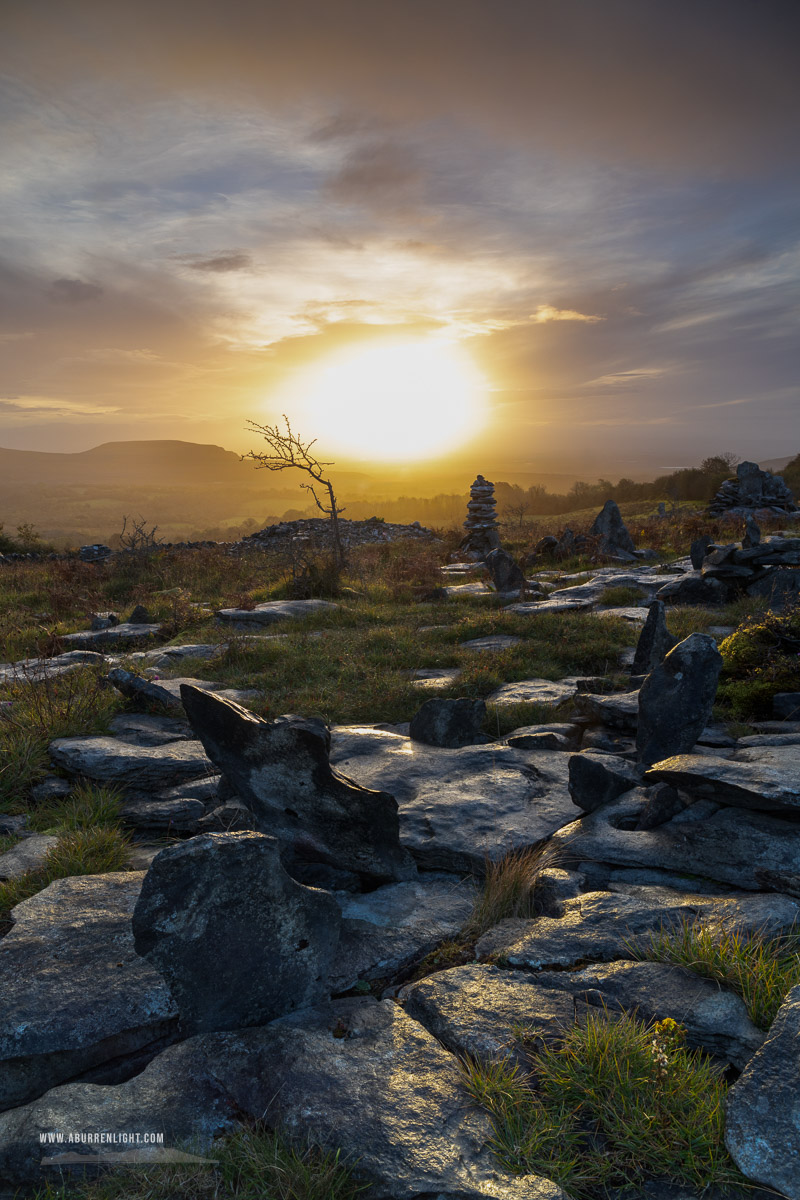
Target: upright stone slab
(506,575)
(281,770)
(676,699)
(449,723)
(610,528)
(655,640)
(238,941)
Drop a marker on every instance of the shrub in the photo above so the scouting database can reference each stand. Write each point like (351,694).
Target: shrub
(761,658)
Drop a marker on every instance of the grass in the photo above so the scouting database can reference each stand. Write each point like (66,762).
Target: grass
(79,852)
(509,889)
(758,967)
(621,596)
(761,658)
(251,1164)
(618,1102)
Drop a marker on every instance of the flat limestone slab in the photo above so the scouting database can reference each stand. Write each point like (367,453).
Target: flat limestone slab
(748,850)
(34,670)
(354,1077)
(110,760)
(597,926)
(28,855)
(75,993)
(535,691)
(386,930)
(434,679)
(272,611)
(635,616)
(764,778)
(458,807)
(551,605)
(620,710)
(124,634)
(492,644)
(476,1010)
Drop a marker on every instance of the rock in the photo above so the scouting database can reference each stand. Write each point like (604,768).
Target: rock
(743,849)
(786,706)
(481,523)
(763,778)
(620,710)
(103,620)
(167,692)
(752,489)
(13,825)
(281,770)
(387,930)
(602,926)
(76,997)
(109,760)
(545,737)
(140,616)
(781,588)
(353,1076)
(481,1011)
(610,528)
(272,611)
(752,533)
(699,550)
(237,940)
(505,574)
(696,588)
(460,807)
(231,817)
(596,778)
(175,816)
(115,636)
(52,787)
(655,641)
(544,692)
(141,729)
(434,679)
(449,723)
(761,1127)
(663,803)
(493,643)
(96,553)
(35,670)
(27,855)
(556,603)
(676,699)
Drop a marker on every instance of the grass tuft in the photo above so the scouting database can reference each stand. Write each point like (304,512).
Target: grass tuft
(509,889)
(78,852)
(618,1102)
(758,967)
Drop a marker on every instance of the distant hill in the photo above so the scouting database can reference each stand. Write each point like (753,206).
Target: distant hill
(776,465)
(119,463)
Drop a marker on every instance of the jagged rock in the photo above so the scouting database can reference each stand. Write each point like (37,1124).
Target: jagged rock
(385,931)
(602,926)
(676,699)
(545,737)
(505,574)
(359,1077)
(272,611)
(610,528)
(620,710)
(761,1127)
(76,997)
(699,550)
(109,760)
(696,588)
(167,692)
(449,723)
(596,778)
(480,1011)
(663,803)
(655,640)
(237,940)
(281,770)
(754,489)
(27,855)
(743,849)
(140,616)
(763,778)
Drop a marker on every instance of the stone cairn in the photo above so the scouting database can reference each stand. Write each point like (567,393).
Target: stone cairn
(752,489)
(481,523)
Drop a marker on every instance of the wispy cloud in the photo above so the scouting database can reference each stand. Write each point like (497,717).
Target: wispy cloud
(546,312)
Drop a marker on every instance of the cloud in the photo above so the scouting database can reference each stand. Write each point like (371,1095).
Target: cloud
(545,312)
(377,172)
(53,406)
(233,260)
(74,291)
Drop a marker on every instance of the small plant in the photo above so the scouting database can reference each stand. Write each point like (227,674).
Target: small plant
(761,658)
(80,852)
(137,536)
(618,1102)
(509,889)
(758,967)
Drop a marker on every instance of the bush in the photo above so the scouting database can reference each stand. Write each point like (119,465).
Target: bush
(761,658)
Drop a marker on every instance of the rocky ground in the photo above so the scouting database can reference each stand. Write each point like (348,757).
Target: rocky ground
(264,961)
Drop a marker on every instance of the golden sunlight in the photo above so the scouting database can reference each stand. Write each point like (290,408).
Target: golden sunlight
(396,400)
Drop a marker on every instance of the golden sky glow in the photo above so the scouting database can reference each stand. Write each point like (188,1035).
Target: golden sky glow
(396,401)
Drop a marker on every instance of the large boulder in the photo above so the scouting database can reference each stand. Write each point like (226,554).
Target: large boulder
(762,1127)
(764,778)
(449,723)
(281,770)
(110,760)
(676,699)
(609,527)
(506,575)
(238,941)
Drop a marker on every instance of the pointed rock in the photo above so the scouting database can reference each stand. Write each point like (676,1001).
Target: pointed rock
(612,531)
(655,641)
(281,770)
(676,699)
(238,941)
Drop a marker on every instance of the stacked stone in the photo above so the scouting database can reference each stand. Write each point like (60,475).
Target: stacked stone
(752,489)
(757,567)
(481,523)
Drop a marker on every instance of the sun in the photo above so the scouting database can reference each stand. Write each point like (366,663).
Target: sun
(394,401)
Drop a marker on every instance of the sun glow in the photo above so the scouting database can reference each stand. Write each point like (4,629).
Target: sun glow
(397,400)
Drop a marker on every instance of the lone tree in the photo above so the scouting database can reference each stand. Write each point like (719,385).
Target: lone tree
(287,450)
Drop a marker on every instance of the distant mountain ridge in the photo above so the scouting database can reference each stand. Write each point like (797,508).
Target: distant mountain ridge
(120,463)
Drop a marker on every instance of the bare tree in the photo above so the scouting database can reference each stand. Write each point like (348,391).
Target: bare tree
(138,537)
(287,450)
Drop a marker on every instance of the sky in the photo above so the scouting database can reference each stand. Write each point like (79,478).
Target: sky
(593,201)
